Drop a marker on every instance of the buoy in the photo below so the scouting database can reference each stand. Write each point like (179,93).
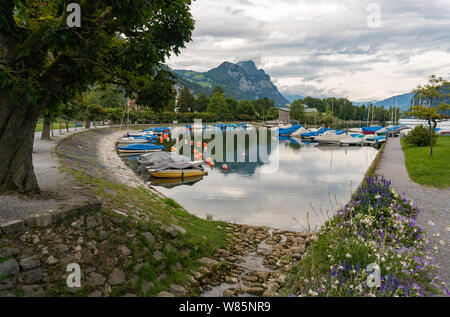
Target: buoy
(172,149)
(161,140)
(225,167)
(200,155)
(166,135)
(199,144)
(211,164)
(192,142)
(208,160)
(205,145)
(185,141)
(195,151)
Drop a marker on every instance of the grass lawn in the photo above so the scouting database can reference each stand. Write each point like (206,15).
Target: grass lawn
(40,125)
(432,171)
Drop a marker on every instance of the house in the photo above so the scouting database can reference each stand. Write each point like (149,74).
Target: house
(284,114)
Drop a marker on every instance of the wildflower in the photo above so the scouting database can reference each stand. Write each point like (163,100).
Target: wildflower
(441,242)
(430,223)
(348,255)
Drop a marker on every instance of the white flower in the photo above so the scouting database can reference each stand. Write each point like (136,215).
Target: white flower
(430,223)
(441,242)
(348,255)
(377,196)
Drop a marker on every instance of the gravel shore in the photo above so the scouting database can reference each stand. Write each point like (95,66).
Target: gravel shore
(434,202)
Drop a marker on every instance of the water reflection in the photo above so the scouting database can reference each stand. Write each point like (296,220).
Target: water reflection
(309,183)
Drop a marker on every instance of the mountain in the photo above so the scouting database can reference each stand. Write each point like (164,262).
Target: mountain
(240,81)
(292,98)
(402,101)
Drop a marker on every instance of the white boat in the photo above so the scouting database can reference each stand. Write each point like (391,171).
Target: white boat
(132,141)
(330,137)
(351,141)
(299,132)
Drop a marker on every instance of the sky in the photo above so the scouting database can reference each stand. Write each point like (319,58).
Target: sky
(357,49)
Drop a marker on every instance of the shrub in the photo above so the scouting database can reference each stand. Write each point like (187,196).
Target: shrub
(420,136)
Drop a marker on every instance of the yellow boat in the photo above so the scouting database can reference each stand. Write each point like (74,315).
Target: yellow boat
(176,173)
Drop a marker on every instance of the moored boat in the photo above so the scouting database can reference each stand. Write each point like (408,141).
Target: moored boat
(139,148)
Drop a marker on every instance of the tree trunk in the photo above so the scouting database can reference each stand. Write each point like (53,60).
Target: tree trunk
(17,125)
(60,132)
(46,129)
(431,138)
(88,124)
(67,125)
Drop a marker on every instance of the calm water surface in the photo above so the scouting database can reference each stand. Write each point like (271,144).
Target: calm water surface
(311,181)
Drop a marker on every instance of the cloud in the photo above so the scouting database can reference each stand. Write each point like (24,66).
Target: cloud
(324,43)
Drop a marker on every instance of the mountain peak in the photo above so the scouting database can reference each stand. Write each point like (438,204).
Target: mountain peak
(241,81)
(250,68)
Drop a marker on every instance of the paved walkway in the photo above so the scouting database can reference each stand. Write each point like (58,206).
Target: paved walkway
(434,202)
(56,187)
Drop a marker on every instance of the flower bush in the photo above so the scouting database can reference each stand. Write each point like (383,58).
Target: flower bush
(376,228)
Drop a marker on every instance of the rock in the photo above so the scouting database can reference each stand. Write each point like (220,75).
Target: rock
(258,291)
(165,294)
(52,260)
(7,252)
(117,277)
(61,248)
(232,259)
(124,250)
(251,278)
(91,222)
(8,283)
(158,255)
(12,226)
(263,275)
(231,280)
(162,276)
(149,237)
(9,267)
(129,295)
(173,230)
(229,293)
(29,263)
(31,276)
(299,249)
(272,286)
(178,290)
(33,291)
(185,252)
(95,279)
(131,233)
(146,286)
(208,262)
(269,294)
(95,294)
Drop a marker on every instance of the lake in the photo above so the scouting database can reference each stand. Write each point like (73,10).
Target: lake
(309,184)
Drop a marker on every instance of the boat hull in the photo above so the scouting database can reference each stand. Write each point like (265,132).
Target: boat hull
(177,173)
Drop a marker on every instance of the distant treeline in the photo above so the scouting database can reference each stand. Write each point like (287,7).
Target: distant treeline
(339,108)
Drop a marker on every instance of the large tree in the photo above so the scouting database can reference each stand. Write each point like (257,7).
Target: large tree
(429,94)
(186,101)
(44,62)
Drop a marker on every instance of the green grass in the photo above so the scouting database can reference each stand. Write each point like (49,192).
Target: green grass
(40,125)
(426,170)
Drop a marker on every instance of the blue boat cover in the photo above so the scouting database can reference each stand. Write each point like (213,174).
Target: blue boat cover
(371,129)
(141,147)
(322,130)
(289,131)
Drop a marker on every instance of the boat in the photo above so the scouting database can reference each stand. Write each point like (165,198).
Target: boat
(175,170)
(139,148)
(351,141)
(133,141)
(173,182)
(374,140)
(288,131)
(155,158)
(330,137)
(299,132)
(310,136)
(371,130)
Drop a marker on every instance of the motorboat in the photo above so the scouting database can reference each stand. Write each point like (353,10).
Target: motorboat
(330,137)
(176,170)
(139,148)
(155,158)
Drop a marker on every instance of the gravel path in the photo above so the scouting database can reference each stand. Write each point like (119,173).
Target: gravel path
(434,202)
(56,187)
